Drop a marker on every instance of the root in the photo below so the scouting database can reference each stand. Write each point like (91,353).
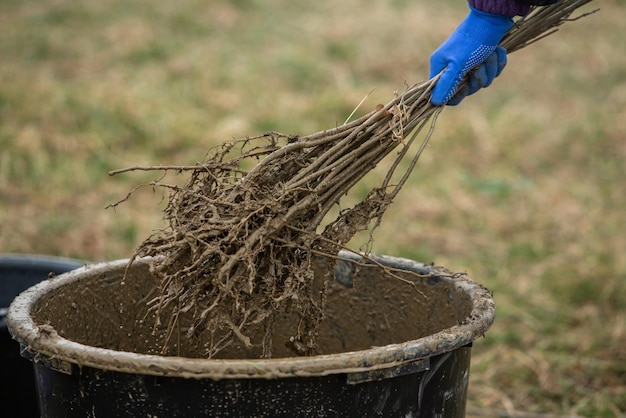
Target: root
(243,232)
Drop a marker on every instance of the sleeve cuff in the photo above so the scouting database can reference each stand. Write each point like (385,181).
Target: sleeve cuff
(509,8)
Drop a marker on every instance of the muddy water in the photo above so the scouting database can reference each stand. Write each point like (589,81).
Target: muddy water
(375,309)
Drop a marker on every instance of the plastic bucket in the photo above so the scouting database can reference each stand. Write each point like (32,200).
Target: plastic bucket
(389,350)
(18,272)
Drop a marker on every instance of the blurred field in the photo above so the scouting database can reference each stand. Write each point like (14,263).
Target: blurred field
(522,186)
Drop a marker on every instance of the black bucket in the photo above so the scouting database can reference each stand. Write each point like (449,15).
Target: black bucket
(18,272)
(388,349)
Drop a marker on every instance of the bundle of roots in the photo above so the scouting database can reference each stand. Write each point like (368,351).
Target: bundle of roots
(243,231)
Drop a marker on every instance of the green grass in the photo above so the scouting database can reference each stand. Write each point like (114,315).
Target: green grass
(522,185)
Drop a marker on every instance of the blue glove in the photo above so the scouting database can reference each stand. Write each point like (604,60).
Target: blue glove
(472,46)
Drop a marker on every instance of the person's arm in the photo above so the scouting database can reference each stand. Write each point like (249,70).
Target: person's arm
(473,48)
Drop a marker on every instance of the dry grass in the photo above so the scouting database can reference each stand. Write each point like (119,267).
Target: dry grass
(521,186)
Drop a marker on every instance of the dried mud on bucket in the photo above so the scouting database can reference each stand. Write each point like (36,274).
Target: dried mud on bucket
(243,232)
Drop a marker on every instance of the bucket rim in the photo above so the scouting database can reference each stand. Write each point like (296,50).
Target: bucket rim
(45,346)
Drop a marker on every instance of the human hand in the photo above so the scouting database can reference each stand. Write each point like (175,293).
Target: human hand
(472,48)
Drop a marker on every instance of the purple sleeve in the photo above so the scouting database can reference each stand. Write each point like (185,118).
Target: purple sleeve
(501,7)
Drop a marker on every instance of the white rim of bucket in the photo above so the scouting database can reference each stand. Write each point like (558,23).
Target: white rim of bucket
(61,353)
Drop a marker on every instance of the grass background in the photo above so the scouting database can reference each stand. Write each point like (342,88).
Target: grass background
(522,185)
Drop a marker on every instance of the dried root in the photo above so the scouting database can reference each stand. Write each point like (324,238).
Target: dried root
(243,231)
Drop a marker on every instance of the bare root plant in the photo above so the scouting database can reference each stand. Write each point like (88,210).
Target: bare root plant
(242,233)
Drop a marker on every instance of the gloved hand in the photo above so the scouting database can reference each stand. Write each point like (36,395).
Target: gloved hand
(473,45)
